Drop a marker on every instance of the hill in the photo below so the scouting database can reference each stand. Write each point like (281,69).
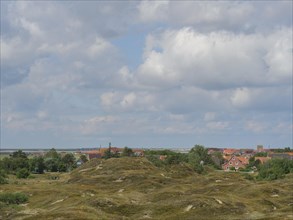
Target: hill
(133,188)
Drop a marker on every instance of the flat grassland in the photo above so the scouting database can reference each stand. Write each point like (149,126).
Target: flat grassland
(133,188)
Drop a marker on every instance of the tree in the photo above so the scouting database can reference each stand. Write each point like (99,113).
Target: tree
(18,154)
(108,154)
(253,163)
(127,152)
(200,153)
(53,161)
(83,158)
(17,160)
(218,159)
(261,154)
(69,161)
(197,154)
(37,165)
(51,164)
(52,153)
(62,167)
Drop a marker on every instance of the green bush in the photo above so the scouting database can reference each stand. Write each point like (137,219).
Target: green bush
(3,177)
(13,198)
(155,160)
(275,169)
(23,173)
(176,158)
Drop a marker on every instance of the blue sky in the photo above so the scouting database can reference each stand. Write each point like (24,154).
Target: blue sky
(146,73)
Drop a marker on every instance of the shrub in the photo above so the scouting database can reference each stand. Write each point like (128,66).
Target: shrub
(3,177)
(155,160)
(23,173)
(176,158)
(275,169)
(13,198)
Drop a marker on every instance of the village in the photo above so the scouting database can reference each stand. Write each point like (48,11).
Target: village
(229,159)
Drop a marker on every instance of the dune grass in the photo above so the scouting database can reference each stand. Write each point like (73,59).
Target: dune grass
(133,188)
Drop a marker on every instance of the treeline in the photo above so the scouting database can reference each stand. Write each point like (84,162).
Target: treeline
(197,157)
(280,150)
(19,164)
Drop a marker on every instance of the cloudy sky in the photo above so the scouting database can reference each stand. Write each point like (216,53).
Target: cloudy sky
(146,73)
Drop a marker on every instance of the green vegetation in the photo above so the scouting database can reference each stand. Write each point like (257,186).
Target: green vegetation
(275,169)
(159,152)
(13,198)
(261,154)
(127,152)
(280,150)
(22,173)
(133,188)
(83,158)
(54,162)
(37,165)
(253,164)
(3,177)
(20,165)
(109,154)
(144,188)
(197,157)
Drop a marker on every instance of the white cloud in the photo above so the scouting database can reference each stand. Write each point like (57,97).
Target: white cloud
(98,48)
(220,68)
(128,100)
(241,97)
(217,125)
(255,126)
(153,10)
(240,16)
(216,60)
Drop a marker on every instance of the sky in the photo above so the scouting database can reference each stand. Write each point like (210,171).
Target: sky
(146,74)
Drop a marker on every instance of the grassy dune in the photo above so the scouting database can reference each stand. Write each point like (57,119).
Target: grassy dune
(132,188)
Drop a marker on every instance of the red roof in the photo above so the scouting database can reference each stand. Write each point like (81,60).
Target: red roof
(229,151)
(244,160)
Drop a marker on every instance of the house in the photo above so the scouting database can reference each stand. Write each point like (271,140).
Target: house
(138,152)
(244,160)
(235,162)
(93,154)
(246,152)
(229,151)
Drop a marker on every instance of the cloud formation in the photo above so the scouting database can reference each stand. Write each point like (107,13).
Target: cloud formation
(215,73)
